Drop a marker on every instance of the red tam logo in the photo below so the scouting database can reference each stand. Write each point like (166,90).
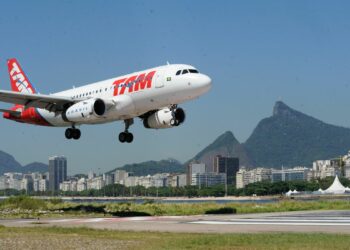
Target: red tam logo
(133,83)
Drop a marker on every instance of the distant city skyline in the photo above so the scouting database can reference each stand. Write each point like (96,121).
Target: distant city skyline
(256,53)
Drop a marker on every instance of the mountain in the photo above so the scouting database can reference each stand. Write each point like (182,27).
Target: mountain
(9,164)
(225,145)
(35,167)
(291,138)
(153,167)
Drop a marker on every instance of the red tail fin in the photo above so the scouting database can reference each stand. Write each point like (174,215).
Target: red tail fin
(19,81)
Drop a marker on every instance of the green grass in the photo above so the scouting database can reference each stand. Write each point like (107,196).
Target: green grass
(202,208)
(69,238)
(23,206)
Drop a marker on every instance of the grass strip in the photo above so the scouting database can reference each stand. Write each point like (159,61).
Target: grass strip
(28,207)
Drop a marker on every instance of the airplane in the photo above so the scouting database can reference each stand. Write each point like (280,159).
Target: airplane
(152,95)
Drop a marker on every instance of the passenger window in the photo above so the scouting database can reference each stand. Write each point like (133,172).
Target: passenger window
(185,71)
(178,72)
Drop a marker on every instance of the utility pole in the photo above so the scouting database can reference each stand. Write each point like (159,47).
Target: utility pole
(226,176)
(342,169)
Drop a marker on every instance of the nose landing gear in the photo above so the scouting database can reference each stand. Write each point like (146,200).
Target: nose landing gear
(126,136)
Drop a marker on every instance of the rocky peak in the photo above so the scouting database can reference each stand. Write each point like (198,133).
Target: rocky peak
(281,109)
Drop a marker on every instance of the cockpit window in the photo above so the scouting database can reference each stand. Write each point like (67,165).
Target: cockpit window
(185,71)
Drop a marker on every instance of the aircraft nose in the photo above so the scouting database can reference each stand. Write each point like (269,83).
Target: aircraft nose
(205,82)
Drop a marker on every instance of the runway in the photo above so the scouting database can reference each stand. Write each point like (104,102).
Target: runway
(310,221)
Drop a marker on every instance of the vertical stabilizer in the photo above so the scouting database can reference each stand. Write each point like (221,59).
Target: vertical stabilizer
(19,81)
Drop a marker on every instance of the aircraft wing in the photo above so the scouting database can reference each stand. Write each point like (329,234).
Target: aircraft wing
(49,102)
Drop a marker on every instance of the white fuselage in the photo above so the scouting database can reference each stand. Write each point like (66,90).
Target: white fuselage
(132,95)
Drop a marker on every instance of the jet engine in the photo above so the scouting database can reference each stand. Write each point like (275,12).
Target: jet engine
(85,110)
(165,118)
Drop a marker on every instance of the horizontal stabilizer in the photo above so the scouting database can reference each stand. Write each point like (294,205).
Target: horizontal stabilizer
(11,112)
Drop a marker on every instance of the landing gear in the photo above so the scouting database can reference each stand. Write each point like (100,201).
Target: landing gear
(174,122)
(178,115)
(72,133)
(126,136)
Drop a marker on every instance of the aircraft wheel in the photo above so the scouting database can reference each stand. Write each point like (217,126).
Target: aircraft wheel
(129,137)
(69,133)
(122,137)
(76,134)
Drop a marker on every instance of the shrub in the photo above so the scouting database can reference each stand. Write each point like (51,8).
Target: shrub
(222,210)
(23,202)
(55,201)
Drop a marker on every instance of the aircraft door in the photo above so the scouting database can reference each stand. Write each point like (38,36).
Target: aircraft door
(159,80)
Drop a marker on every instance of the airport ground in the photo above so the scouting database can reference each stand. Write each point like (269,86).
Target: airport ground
(286,230)
(27,222)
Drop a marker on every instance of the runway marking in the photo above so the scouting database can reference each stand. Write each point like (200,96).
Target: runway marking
(269,223)
(62,220)
(294,220)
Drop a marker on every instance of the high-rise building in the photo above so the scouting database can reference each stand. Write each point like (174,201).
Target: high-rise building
(57,172)
(108,179)
(43,185)
(91,175)
(245,177)
(194,168)
(176,180)
(27,183)
(242,178)
(120,176)
(81,185)
(208,179)
(291,174)
(226,165)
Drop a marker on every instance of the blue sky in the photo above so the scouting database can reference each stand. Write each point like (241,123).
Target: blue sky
(256,52)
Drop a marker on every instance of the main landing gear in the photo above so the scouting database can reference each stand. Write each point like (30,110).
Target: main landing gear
(126,136)
(73,133)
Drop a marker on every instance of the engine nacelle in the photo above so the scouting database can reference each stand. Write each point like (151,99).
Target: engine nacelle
(165,118)
(85,110)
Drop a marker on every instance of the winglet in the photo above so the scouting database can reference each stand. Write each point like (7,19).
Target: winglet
(19,81)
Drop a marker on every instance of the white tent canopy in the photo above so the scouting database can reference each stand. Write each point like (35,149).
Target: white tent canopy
(289,193)
(336,187)
(319,191)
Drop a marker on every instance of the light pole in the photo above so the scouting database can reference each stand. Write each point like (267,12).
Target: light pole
(226,177)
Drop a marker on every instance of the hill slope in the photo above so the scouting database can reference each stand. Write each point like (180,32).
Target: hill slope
(291,138)
(153,167)
(9,164)
(225,145)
